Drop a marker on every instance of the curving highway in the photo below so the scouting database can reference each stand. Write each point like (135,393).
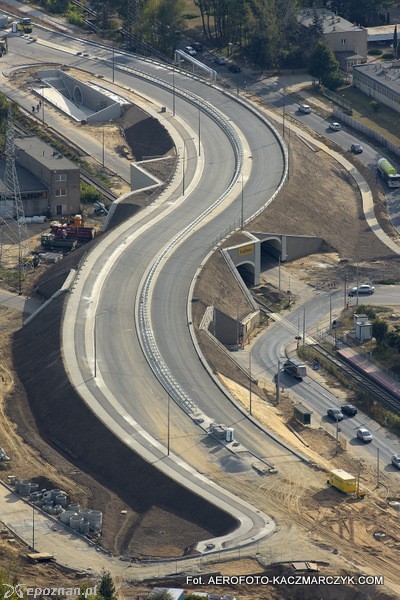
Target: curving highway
(234,164)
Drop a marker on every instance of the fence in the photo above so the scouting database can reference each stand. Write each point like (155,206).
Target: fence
(336,98)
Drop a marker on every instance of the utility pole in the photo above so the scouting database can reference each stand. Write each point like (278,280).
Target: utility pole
(168,424)
(250,383)
(278,391)
(279,276)
(199,133)
(330,312)
(304,327)
(113,62)
(242,204)
(173,91)
(358,478)
(377,468)
(345,291)
(337,435)
(33,528)
(357,282)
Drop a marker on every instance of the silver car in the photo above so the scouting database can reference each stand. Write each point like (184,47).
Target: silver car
(304,108)
(396,461)
(364,435)
(335,126)
(361,289)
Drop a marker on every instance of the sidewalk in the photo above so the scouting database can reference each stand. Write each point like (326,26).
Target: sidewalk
(27,305)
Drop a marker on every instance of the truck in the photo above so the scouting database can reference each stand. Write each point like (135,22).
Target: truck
(25,25)
(342,481)
(4,21)
(3,46)
(295,368)
(388,173)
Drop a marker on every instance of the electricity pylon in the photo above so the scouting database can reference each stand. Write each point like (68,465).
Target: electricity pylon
(14,244)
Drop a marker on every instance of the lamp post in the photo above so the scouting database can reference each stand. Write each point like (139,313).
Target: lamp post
(168,424)
(250,390)
(173,91)
(242,204)
(95,342)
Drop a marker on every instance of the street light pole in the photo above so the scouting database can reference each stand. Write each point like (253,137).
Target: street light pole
(183,167)
(103,146)
(199,134)
(173,91)
(250,382)
(168,424)
(278,391)
(279,276)
(242,204)
(33,528)
(330,312)
(113,62)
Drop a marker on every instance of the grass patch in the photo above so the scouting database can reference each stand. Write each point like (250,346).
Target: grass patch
(386,121)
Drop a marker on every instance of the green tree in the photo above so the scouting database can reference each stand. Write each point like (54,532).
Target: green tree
(322,62)
(107,587)
(379,332)
(159,21)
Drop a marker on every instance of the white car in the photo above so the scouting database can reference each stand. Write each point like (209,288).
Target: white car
(190,50)
(335,126)
(304,108)
(364,435)
(361,289)
(396,460)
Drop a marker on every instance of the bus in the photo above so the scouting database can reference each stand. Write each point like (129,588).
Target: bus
(388,173)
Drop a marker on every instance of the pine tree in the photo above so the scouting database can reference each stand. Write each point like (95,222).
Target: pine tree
(107,587)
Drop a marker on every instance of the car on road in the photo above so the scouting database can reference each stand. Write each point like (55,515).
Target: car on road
(234,68)
(349,410)
(304,108)
(361,289)
(356,149)
(198,46)
(335,414)
(335,126)
(220,60)
(396,460)
(190,50)
(364,435)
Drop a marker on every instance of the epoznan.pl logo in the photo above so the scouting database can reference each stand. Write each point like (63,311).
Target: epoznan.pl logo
(21,590)
(13,589)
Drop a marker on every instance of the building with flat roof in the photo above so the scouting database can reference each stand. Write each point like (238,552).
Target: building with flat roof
(380,81)
(58,173)
(347,40)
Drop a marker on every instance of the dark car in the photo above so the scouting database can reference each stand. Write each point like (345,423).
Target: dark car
(356,149)
(234,68)
(220,60)
(335,414)
(349,410)
(198,46)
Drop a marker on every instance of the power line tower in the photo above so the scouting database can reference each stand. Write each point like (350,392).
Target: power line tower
(14,246)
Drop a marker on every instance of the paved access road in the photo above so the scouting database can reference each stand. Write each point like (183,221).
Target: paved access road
(271,347)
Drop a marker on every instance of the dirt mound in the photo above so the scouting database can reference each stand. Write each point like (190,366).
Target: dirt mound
(145,135)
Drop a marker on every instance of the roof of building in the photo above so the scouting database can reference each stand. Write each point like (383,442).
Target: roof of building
(330,21)
(387,74)
(303,409)
(44,153)
(27,182)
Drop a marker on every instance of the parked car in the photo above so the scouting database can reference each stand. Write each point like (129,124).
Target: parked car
(220,60)
(198,46)
(361,289)
(396,461)
(190,50)
(349,410)
(304,108)
(364,435)
(335,414)
(234,68)
(335,126)
(356,149)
